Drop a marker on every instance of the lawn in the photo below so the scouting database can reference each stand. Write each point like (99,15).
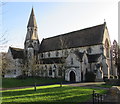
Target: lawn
(13,82)
(104,85)
(49,93)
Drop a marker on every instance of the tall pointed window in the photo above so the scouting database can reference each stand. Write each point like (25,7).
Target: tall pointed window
(48,54)
(50,71)
(57,53)
(71,61)
(107,48)
(60,71)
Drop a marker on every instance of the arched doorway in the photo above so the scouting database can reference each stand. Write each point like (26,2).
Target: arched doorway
(72,76)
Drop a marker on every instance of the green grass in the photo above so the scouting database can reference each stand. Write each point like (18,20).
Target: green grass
(13,82)
(50,93)
(104,85)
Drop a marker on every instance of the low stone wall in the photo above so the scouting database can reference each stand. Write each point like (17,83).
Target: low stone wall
(114,82)
(115,90)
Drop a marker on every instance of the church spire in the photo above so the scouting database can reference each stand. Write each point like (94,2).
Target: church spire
(31,39)
(32,20)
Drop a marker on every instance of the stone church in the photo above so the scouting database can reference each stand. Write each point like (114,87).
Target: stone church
(69,56)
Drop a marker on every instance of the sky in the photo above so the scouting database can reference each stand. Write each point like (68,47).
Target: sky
(55,18)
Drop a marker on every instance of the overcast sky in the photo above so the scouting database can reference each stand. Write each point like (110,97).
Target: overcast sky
(55,18)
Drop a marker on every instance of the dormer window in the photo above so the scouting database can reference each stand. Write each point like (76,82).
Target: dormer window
(89,50)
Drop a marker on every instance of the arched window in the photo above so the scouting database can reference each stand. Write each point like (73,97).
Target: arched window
(42,55)
(50,71)
(89,50)
(85,61)
(107,48)
(60,71)
(71,61)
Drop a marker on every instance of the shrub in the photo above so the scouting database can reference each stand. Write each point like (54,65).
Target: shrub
(21,77)
(114,82)
(116,77)
(90,77)
(111,77)
(105,79)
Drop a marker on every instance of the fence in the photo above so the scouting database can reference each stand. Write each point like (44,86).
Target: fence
(97,98)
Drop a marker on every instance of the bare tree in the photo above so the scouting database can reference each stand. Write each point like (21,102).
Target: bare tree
(5,63)
(63,46)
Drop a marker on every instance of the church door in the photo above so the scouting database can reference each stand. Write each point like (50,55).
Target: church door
(72,76)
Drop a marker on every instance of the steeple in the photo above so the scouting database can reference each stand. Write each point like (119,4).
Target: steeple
(32,36)
(32,20)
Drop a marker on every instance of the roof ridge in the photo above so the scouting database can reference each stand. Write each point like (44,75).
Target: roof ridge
(15,48)
(74,31)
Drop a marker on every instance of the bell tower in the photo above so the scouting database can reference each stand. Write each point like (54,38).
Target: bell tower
(31,40)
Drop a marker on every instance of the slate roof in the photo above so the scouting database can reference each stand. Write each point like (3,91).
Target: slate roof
(17,53)
(93,58)
(85,37)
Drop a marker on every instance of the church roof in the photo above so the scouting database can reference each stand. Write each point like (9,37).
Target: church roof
(17,53)
(32,20)
(93,57)
(85,37)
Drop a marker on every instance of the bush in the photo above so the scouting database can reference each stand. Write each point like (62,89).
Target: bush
(90,77)
(21,77)
(105,79)
(114,82)
(115,77)
(111,77)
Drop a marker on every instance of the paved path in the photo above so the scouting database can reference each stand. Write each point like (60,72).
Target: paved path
(90,85)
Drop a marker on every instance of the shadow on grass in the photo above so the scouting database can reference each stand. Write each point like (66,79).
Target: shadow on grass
(55,94)
(29,90)
(56,98)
